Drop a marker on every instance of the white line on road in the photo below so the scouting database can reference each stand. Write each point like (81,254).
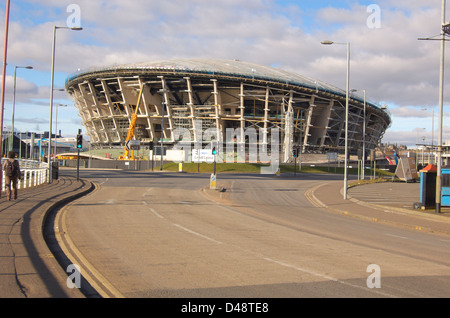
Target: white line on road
(397,236)
(301,269)
(327,277)
(198,234)
(106,180)
(156,213)
(153,210)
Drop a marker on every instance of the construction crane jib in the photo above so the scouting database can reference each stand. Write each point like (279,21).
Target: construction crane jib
(132,126)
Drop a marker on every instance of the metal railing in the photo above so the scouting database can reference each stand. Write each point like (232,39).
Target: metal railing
(33,172)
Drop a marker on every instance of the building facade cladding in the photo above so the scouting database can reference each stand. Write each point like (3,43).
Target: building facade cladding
(201,94)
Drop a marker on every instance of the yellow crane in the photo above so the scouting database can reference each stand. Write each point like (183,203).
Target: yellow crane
(132,127)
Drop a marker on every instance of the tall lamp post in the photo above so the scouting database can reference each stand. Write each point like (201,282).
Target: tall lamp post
(11,143)
(56,124)
(432,126)
(364,138)
(444,30)
(51,99)
(2,97)
(432,133)
(346,113)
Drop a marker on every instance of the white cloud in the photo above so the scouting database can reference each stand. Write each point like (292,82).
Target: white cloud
(411,112)
(389,62)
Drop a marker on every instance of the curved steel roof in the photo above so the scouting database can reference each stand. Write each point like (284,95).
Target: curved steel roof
(218,66)
(233,68)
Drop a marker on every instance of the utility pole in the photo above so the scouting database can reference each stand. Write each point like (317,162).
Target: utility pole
(79,145)
(445,30)
(5,50)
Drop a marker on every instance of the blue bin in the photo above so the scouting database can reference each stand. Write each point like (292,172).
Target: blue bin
(445,193)
(428,186)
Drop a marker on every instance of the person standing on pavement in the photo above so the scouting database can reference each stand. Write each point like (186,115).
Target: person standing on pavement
(11,168)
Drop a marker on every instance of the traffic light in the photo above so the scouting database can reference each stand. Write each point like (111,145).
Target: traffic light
(79,141)
(214,148)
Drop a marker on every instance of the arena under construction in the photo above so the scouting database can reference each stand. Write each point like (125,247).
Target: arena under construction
(213,94)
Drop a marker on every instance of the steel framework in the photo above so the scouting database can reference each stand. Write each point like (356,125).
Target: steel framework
(219,95)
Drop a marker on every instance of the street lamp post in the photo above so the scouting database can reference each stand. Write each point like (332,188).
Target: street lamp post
(432,125)
(364,138)
(2,95)
(444,30)
(51,98)
(346,113)
(11,142)
(432,132)
(56,124)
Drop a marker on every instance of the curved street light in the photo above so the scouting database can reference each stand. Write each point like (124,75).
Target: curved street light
(11,142)
(49,159)
(346,113)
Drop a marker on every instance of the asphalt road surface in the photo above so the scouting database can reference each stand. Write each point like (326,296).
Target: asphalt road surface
(164,235)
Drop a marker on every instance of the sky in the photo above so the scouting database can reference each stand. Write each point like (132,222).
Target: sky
(388,61)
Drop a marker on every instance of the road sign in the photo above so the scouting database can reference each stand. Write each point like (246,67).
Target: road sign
(212,182)
(406,169)
(332,155)
(133,144)
(202,155)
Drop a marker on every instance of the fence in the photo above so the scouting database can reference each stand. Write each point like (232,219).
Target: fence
(34,173)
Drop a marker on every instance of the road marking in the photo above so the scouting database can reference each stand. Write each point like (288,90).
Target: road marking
(302,269)
(89,272)
(106,180)
(153,210)
(397,236)
(198,234)
(328,277)
(309,194)
(156,213)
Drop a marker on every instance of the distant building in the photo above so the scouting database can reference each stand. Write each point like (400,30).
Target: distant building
(35,145)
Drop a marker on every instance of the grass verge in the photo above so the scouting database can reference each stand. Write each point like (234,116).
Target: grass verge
(203,167)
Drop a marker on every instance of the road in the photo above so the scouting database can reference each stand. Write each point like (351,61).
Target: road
(160,235)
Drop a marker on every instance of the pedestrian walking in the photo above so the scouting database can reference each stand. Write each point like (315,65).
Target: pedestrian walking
(11,168)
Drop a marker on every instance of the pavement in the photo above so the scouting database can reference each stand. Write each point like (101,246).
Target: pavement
(28,269)
(387,202)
